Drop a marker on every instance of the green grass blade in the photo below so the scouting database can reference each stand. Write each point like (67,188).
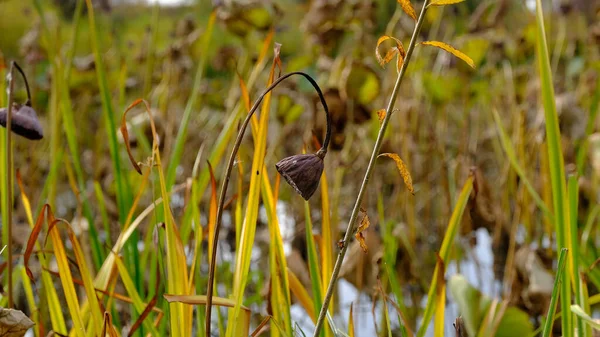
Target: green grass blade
(556,162)
(447,243)
(123,194)
(177,153)
(573,245)
(577,310)
(562,258)
(313,262)
(510,153)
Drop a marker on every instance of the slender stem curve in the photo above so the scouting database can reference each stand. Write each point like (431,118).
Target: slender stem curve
(351,228)
(28,102)
(321,153)
(9,165)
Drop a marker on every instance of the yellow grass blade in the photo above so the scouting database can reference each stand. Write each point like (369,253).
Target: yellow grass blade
(280,300)
(66,278)
(439,322)
(444,254)
(243,324)
(302,295)
(351,321)
(137,302)
(327,238)
(243,254)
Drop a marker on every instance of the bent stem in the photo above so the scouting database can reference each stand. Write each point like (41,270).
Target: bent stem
(321,153)
(351,228)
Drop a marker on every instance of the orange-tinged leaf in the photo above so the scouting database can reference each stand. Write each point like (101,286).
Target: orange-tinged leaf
(244,90)
(389,55)
(444,2)
(381,114)
(24,198)
(364,224)
(439,322)
(351,321)
(452,51)
(403,170)
(35,232)
(408,8)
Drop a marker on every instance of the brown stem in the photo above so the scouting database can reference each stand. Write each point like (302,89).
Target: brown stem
(321,153)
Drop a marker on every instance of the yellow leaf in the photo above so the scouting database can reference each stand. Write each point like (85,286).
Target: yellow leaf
(444,2)
(389,55)
(403,170)
(364,224)
(408,8)
(351,322)
(452,51)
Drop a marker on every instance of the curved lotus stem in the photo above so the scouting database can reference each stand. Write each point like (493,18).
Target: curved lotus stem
(320,154)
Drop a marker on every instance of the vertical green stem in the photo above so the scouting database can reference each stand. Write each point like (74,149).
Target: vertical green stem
(369,171)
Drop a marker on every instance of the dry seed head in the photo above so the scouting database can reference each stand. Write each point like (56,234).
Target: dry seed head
(24,121)
(302,172)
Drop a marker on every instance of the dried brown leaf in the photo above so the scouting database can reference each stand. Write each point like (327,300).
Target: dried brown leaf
(364,224)
(408,8)
(403,170)
(14,323)
(126,134)
(452,51)
(35,232)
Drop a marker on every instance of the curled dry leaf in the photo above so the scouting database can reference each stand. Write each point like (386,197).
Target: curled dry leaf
(452,51)
(444,2)
(389,55)
(408,8)
(364,224)
(14,323)
(403,170)
(126,134)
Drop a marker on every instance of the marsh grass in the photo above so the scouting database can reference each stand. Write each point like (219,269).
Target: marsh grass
(162,244)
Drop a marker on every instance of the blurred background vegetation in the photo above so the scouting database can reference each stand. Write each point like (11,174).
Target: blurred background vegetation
(443,128)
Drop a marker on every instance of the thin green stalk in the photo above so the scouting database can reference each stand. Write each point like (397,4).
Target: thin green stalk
(573,193)
(187,113)
(553,300)
(369,171)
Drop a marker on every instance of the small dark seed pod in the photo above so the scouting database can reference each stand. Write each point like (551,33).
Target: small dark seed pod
(302,172)
(24,121)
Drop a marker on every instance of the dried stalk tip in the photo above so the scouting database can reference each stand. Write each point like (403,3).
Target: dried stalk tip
(24,121)
(302,172)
